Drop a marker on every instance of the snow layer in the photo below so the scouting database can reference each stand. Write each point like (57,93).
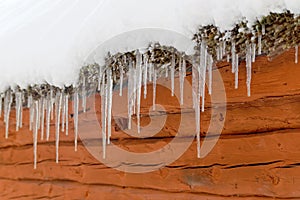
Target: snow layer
(49,40)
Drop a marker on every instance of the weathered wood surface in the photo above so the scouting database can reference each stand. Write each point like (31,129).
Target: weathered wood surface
(257,156)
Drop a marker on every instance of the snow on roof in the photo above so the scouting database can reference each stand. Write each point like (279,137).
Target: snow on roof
(48,40)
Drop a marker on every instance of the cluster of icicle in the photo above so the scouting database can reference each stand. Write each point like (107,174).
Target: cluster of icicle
(139,73)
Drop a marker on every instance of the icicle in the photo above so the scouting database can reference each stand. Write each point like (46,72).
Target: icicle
(121,80)
(100,77)
(1,105)
(253,52)
(51,103)
(166,71)
(145,77)
(48,116)
(228,58)
(202,75)
(35,133)
(83,94)
(58,110)
(129,95)
(259,44)
(134,90)
(150,71)
(29,101)
(296,54)
(42,118)
(223,48)
(154,89)
(109,103)
(21,111)
(8,97)
(182,74)
(263,29)
(103,116)
(76,105)
(18,102)
(236,72)
(172,73)
(233,57)
(210,64)
(31,117)
(249,69)
(67,113)
(139,88)
(63,113)
(197,112)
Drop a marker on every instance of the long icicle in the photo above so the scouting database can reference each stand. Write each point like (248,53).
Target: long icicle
(154,89)
(103,116)
(109,103)
(233,57)
(35,133)
(248,69)
(76,105)
(63,109)
(67,113)
(139,88)
(58,110)
(210,65)
(182,78)
(129,94)
(9,101)
(121,80)
(203,66)
(145,76)
(48,117)
(172,73)
(42,117)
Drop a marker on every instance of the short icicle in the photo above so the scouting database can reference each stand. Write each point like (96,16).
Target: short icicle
(253,52)
(83,93)
(296,54)
(259,44)
(236,75)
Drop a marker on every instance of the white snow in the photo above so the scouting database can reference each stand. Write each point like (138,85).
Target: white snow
(48,40)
